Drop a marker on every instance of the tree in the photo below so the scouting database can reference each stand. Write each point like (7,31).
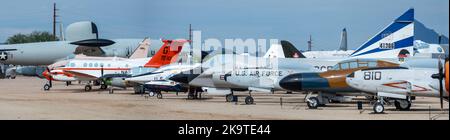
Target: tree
(36,36)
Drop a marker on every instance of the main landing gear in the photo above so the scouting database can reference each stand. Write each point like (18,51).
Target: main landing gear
(195,93)
(87,87)
(47,87)
(248,100)
(400,104)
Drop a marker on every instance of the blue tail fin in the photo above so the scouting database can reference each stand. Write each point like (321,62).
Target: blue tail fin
(396,40)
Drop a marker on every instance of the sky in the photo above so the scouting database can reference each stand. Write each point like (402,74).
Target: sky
(293,20)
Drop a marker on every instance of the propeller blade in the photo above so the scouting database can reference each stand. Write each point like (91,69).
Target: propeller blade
(441,90)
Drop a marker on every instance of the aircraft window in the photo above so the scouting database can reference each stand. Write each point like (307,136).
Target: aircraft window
(344,66)
(72,64)
(372,64)
(353,65)
(84,64)
(126,66)
(336,67)
(363,64)
(90,64)
(96,65)
(109,65)
(101,65)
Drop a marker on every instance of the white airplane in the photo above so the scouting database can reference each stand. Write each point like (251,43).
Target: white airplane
(393,42)
(55,71)
(158,80)
(343,51)
(403,84)
(93,69)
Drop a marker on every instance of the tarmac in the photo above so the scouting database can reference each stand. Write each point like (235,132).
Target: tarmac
(23,98)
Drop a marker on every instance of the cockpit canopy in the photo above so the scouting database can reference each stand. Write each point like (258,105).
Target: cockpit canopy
(361,63)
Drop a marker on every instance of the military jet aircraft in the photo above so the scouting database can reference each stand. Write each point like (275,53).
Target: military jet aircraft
(402,84)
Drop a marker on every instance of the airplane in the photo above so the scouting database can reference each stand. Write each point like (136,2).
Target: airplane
(55,71)
(82,38)
(331,84)
(402,84)
(103,69)
(341,53)
(214,77)
(158,81)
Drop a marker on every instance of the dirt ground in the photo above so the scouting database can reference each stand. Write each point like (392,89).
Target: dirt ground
(23,98)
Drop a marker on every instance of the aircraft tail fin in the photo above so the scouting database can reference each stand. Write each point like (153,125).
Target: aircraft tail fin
(343,46)
(394,41)
(285,50)
(167,54)
(142,50)
(290,51)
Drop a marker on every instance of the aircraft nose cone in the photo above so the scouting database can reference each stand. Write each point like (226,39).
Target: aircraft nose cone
(291,82)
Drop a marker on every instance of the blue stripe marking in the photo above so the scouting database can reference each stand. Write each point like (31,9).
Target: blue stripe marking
(391,29)
(402,21)
(407,42)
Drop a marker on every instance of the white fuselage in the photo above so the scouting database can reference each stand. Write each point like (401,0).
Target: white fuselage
(92,69)
(405,82)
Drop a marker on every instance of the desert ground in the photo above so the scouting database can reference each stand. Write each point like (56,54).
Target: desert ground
(23,98)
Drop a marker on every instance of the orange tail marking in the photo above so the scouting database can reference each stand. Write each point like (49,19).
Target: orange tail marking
(446,77)
(166,54)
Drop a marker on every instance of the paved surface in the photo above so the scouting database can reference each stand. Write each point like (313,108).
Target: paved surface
(24,98)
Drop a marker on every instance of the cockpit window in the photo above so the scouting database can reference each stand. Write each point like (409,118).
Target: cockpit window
(353,65)
(372,64)
(336,67)
(344,66)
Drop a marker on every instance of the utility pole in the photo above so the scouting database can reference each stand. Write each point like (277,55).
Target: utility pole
(310,43)
(54,20)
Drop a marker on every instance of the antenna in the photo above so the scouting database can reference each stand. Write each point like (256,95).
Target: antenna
(61,33)
(310,43)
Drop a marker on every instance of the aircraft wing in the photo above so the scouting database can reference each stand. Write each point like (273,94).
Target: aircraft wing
(81,76)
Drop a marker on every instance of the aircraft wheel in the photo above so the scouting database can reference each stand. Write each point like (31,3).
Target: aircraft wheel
(87,88)
(313,103)
(103,86)
(378,108)
(229,97)
(402,104)
(68,83)
(190,96)
(47,87)
(249,100)
(159,95)
(111,91)
(151,93)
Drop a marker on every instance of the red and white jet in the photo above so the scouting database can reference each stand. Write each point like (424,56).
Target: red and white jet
(96,68)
